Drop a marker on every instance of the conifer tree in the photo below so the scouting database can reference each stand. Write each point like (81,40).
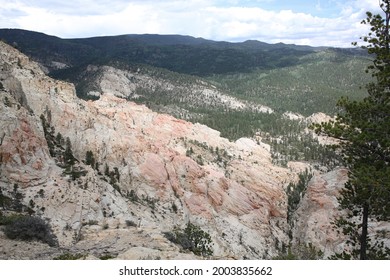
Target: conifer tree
(68,154)
(363,128)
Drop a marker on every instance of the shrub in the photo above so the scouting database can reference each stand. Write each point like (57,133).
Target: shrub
(6,220)
(192,238)
(106,257)
(301,252)
(69,256)
(130,223)
(174,207)
(92,223)
(30,228)
(7,102)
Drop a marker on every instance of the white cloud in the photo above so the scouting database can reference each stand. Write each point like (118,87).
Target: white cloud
(200,18)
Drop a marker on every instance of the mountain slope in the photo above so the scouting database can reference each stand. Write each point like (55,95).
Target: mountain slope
(314,85)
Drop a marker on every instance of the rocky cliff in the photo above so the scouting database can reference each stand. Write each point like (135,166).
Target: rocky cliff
(149,169)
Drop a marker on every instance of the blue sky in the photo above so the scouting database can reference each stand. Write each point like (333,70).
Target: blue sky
(310,22)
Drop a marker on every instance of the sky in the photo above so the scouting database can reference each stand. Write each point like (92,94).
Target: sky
(334,23)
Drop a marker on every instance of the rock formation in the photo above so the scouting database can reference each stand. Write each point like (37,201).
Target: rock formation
(151,170)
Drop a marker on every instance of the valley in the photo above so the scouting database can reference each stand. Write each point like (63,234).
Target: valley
(123,144)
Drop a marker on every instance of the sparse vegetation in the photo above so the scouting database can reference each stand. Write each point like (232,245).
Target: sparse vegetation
(130,223)
(192,238)
(174,207)
(295,192)
(29,228)
(90,159)
(106,257)
(300,252)
(69,256)
(6,101)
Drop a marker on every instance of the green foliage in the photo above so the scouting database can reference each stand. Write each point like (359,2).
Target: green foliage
(60,140)
(5,201)
(149,201)
(301,252)
(182,54)
(287,138)
(9,219)
(49,135)
(130,223)
(68,154)
(133,196)
(30,228)
(90,159)
(295,192)
(192,238)
(106,257)
(106,170)
(69,256)
(74,172)
(174,207)
(311,86)
(17,200)
(92,222)
(363,128)
(6,101)
(375,247)
(59,148)
(41,193)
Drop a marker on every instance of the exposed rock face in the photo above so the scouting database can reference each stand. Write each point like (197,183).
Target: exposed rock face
(318,118)
(317,210)
(229,189)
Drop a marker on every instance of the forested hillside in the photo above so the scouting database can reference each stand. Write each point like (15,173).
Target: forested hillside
(311,86)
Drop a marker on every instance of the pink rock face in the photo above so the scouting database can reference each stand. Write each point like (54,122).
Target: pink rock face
(24,153)
(317,211)
(153,168)
(323,192)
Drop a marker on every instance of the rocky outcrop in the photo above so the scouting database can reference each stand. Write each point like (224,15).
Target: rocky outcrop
(317,211)
(153,171)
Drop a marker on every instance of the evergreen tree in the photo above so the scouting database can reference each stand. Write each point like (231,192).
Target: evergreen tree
(90,159)
(363,128)
(68,154)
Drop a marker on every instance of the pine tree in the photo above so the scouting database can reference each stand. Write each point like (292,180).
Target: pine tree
(90,159)
(363,128)
(68,154)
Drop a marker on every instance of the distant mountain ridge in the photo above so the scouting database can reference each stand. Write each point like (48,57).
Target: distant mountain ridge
(183,54)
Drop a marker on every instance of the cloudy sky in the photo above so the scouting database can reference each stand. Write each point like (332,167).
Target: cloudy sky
(310,22)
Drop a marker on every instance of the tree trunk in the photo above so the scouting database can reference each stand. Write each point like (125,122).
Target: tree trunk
(363,238)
